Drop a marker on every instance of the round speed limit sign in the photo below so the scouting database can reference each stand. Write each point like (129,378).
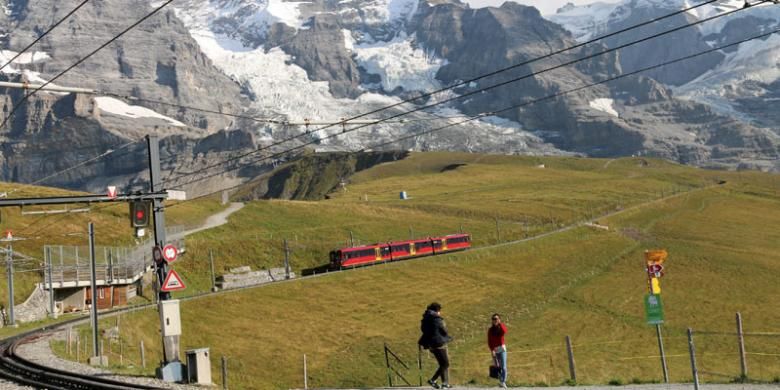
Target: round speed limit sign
(169,253)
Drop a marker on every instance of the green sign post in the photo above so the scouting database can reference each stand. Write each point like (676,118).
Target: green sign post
(654,309)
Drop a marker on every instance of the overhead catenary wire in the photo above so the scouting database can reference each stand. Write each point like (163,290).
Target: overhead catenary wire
(386,120)
(81,60)
(477,91)
(345,131)
(535,101)
(537,59)
(532,74)
(573,90)
(352,120)
(45,33)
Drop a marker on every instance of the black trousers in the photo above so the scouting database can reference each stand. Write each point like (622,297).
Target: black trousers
(444,364)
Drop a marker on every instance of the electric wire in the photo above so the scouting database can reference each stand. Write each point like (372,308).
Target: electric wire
(535,101)
(481,90)
(573,90)
(480,116)
(537,59)
(427,94)
(344,131)
(80,61)
(45,33)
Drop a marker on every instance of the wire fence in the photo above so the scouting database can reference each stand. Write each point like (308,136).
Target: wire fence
(70,265)
(615,362)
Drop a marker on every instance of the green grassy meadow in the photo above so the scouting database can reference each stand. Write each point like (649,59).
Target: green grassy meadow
(586,283)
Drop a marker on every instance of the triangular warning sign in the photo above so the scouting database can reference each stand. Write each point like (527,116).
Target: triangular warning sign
(173,282)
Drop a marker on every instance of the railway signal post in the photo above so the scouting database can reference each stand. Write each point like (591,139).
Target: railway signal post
(654,310)
(171,369)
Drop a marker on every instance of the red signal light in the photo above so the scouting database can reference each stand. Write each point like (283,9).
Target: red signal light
(139,214)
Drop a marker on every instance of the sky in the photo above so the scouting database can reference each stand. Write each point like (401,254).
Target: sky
(546,6)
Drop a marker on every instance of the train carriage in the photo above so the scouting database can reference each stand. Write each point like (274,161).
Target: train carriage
(398,250)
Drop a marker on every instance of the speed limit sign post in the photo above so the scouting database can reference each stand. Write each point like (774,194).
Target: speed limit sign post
(169,253)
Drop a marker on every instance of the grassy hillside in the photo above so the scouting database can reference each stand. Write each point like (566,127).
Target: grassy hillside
(586,283)
(112,228)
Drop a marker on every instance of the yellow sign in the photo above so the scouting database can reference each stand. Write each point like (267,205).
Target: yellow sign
(655,285)
(656,256)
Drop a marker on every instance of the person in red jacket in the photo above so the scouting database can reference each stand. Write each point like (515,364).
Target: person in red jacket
(497,345)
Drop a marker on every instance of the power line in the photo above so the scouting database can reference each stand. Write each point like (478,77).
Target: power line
(27,96)
(553,96)
(549,97)
(345,121)
(537,59)
(532,74)
(43,35)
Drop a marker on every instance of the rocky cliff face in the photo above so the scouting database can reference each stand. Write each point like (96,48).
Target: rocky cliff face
(158,61)
(325,60)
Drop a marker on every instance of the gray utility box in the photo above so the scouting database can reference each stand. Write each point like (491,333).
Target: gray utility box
(198,366)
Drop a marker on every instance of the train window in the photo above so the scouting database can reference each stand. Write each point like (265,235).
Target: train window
(422,245)
(385,250)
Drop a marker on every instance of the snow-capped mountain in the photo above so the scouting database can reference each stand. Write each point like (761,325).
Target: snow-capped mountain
(303,62)
(740,81)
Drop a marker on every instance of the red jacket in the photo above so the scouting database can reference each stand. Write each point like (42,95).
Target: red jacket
(496,336)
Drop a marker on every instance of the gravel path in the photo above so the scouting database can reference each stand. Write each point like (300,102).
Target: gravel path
(215,220)
(40,352)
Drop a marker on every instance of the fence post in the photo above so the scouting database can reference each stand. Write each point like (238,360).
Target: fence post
(572,367)
(387,364)
(213,276)
(742,358)
(305,373)
(78,347)
(224,373)
(70,340)
(692,351)
(663,354)
(143,355)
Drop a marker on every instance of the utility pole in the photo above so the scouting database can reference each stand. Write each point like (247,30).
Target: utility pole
(51,284)
(10,270)
(171,369)
(96,356)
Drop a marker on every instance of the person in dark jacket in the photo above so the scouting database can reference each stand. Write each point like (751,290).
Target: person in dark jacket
(435,338)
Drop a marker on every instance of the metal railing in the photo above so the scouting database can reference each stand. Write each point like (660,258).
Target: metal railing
(67,265)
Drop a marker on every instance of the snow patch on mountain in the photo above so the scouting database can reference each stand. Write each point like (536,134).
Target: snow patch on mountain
(235,18)
(604,105)
(592,20)
(757,60)
(118,107)
(25,58)
(400,64)
(585,22)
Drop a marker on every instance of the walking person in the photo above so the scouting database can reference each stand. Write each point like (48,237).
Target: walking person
(497,346)
(435,338)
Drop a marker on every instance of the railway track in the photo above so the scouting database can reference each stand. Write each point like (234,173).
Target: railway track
(25,372)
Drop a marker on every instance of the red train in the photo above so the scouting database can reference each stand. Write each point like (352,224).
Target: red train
(399,250)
